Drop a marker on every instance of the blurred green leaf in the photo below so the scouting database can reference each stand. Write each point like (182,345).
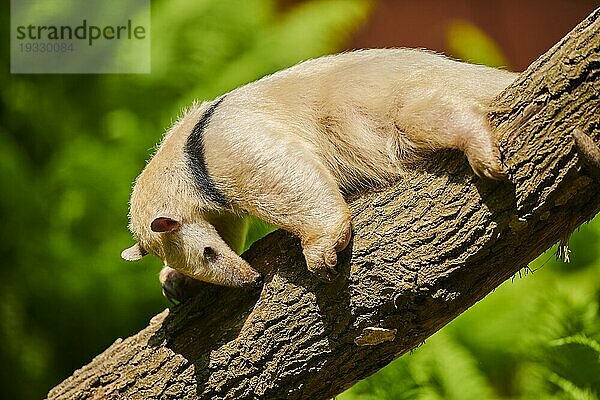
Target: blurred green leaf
(469,43)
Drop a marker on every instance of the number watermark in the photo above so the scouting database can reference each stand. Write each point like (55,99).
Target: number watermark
(35,47)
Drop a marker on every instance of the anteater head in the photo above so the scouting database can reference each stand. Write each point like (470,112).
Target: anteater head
(172,201)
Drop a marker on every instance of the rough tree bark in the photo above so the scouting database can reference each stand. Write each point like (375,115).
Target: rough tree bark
(424,250)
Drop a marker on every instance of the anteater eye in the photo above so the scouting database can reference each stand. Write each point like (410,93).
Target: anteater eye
(209,253)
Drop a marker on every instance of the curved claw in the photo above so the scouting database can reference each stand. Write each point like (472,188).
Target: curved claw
(177,287)
(170,293)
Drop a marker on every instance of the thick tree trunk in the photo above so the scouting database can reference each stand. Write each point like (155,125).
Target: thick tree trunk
(423,251)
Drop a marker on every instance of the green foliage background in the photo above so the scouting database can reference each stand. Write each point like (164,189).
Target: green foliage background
(70,146)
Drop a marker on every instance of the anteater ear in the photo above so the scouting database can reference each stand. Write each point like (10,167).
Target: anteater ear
(133,253)
(164,224)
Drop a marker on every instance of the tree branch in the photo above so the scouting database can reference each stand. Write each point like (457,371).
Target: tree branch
(424,250)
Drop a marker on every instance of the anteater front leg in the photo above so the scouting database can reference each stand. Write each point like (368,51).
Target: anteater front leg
(290,188)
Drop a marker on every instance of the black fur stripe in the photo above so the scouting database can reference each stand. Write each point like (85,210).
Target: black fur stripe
(194,149)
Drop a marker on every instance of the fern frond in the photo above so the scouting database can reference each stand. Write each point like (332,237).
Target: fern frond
(578,339)
(569,388)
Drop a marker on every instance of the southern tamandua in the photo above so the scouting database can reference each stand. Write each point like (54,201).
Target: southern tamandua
(288,147)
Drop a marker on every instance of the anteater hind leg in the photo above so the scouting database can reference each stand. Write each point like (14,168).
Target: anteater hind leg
(295,192)
(454,124)
(473,135)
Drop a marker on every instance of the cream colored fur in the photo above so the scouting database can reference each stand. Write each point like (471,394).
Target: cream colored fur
(288,146)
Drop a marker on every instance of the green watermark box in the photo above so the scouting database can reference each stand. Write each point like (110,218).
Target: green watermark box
(80,37)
